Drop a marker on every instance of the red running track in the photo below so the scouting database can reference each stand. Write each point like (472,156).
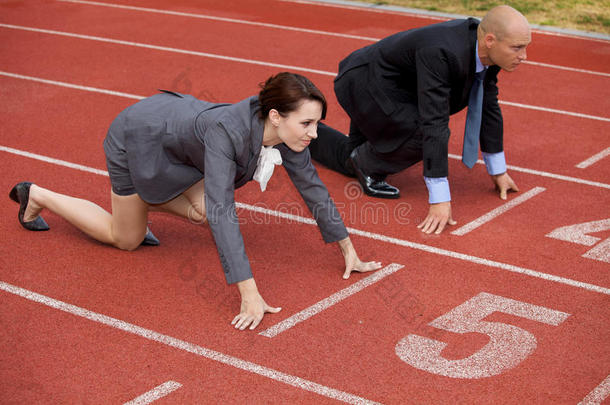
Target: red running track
(162,314)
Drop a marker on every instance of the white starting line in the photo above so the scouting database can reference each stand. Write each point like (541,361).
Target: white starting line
(330,301)
(599,394)
(594,159)
(497,212)
(158,392)
(540,173)
(186,346)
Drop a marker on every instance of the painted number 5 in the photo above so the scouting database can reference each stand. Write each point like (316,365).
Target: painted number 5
(508,345)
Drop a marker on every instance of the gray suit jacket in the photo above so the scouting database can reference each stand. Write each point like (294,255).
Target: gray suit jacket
(174,140)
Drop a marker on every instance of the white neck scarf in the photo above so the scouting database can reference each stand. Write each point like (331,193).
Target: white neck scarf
(267,160)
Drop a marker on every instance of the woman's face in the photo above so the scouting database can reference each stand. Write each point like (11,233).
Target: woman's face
(299,127)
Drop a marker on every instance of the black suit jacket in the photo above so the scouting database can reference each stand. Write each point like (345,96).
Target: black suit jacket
(407,85)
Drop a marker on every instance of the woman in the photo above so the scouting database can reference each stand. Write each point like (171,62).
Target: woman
(160,151)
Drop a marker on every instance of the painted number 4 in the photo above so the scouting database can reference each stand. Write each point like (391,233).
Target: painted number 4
(579,233)
(508,345)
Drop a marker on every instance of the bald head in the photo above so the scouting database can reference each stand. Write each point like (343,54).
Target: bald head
(504,21)
(503,35)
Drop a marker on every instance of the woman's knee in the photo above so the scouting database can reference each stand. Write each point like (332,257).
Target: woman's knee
(129,219)
(129,245)
(128,242)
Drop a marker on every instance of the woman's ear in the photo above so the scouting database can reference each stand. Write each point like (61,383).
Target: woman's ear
(274,117)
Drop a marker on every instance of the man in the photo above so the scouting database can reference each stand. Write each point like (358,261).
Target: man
(400,93)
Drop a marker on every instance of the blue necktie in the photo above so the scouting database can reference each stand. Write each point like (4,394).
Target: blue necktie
(470,150)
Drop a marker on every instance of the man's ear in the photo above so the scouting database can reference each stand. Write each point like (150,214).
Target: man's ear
(489,40)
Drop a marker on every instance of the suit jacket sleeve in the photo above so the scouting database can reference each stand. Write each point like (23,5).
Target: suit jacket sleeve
(315,194)
(220,169)
(491,121)
(433,98)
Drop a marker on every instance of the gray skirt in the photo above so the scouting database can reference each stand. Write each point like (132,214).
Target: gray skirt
(154,148)
(116,159)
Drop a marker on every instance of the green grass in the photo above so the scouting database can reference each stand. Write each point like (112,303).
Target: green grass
(582,15)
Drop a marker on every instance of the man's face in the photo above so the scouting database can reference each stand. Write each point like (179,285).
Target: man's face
(510,51)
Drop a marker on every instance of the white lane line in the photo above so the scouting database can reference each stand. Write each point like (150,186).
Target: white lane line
(599,394)
(186,346)
(400,242)
(70,85)
(167,49)
(387,239)
(330,301)
(594,159)
(452,156)
(156,393)
(557,176)
(478,260)
(544,174)
(260,63)
(221,19)
(553,110)
(497,212)
(58,162)
(571,69)
(376,7)
(289,28)
(438,251)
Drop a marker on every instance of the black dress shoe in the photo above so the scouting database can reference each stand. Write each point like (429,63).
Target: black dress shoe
(370,185)
(21,195)
(150,239)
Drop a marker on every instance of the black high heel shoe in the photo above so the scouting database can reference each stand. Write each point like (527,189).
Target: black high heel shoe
(21,195)
(150,239)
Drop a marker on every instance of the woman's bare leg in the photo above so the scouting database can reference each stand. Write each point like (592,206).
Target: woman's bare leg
(124,228)
(129,220)
(190,204)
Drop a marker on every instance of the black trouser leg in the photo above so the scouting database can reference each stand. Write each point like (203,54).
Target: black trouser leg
(332,148)
(380,165)
(356,137)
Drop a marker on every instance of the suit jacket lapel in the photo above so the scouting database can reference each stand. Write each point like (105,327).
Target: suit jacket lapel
(472,41)
(256,138)
(254,143)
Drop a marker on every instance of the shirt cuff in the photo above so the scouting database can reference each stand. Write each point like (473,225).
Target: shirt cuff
(438,189)
(495,162)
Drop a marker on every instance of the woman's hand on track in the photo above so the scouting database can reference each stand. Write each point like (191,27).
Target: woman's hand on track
(253,306)
(352,262)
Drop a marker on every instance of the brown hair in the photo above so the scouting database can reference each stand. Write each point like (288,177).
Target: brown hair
(285,92)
